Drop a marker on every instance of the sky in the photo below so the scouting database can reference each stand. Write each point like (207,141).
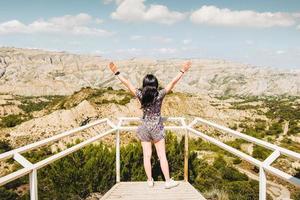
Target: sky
(257,32)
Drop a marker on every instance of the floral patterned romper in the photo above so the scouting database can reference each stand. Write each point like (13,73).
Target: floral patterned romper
(152,128)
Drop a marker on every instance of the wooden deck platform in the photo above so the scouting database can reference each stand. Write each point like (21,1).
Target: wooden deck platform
(141,191)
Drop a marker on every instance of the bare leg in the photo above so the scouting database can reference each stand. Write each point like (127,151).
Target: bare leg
(147,152)
(161,152)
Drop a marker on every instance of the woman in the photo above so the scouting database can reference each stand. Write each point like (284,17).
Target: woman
(152,130)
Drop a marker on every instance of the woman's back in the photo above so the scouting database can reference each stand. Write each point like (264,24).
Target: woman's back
(153,110)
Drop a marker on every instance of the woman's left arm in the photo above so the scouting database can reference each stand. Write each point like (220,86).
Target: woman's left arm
(126,82)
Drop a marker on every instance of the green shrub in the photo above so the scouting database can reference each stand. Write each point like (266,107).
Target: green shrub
(11,120)
(232,174)
(260,152)
(29,106)
(234,127)
(125,100)
(237,161)
(297,175)
(294,128)
(219,163)
(252,132)
(4,146)
(296,196)
(275,129)
(260,126)
(242,190)
(236,143)
(7,194)
(88,170)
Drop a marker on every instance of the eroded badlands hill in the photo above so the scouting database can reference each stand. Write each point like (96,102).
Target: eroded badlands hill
(36,72)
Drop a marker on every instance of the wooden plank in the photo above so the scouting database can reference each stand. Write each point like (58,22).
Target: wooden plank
(141,191)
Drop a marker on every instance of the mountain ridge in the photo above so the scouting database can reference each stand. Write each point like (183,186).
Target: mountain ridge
(34,72)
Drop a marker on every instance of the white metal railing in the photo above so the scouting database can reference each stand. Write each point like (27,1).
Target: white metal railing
(31,168)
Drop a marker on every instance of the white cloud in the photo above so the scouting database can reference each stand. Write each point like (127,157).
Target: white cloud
(166,50)
(99,21)
(298,27)
(249,42)
(186,41)
(100,52)
(162,40)
(297,15)
(136,37)
(136,11)
(111,1)
(67,24)
(130,51)
(279,52)
(12,26)
(212,15)
(157,39)
(107,1)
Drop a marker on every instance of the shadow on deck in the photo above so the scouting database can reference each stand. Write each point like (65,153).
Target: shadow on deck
(141,191)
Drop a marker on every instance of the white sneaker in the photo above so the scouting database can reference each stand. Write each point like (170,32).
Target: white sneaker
(150,183)
(171,183)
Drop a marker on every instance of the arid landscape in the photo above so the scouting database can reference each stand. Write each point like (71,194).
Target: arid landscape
(39,73)
(44,93)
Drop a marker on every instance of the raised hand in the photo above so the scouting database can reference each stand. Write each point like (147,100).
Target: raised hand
(113,67)
(186,66)
(126,82)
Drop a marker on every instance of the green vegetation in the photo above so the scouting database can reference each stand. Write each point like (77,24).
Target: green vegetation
(29,106)
(4,146)
(294,127)
(253,131)
(92,169)
(97,97)
(290,144)
(236,143)
(243,107)
(275,129)
(237,161)
(13,120)
(222,176)
(285,109)
(259,128)
(123,101)
(51,103)
(279,110)
(7,194)
(296,195)
(260,152)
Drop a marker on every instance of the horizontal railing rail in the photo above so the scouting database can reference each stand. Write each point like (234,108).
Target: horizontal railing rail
(264,166)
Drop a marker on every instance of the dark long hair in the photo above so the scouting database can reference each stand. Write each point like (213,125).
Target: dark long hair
(149,90)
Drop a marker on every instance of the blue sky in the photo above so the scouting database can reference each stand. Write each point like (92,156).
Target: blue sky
(263,33)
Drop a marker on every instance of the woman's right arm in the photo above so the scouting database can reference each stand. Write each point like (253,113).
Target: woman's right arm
(126,82)
(172,84)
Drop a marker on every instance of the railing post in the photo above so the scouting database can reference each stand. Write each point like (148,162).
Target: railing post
(186,156)
(33,185)
(118,156)
(262,184)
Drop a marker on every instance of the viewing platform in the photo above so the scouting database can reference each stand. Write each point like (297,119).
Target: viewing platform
(141,191)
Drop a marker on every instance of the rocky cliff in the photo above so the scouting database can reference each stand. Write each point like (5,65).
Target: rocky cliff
(37,72)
